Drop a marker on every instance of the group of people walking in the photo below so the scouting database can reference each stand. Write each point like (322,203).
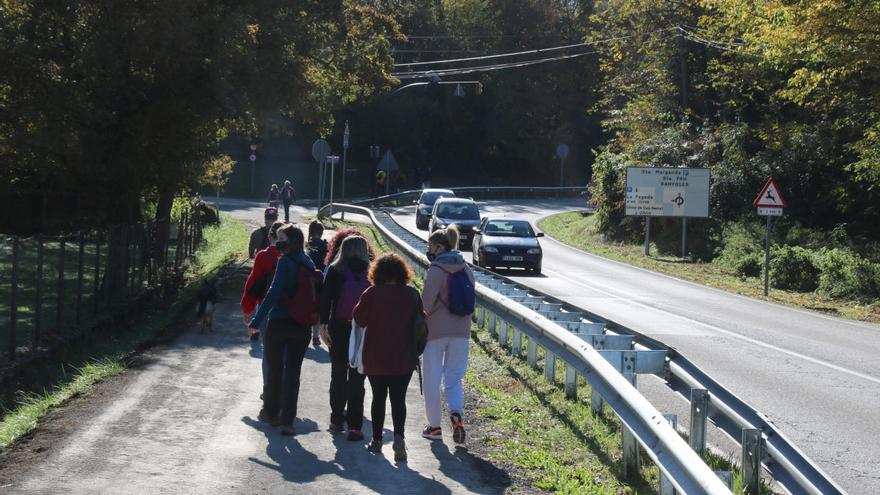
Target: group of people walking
(337,289)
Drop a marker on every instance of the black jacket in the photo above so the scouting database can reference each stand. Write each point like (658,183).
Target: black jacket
(330,294)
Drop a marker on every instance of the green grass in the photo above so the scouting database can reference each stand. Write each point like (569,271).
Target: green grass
(90,362)
(579,231)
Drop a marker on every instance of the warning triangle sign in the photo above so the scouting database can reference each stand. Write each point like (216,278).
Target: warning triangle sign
(770,196)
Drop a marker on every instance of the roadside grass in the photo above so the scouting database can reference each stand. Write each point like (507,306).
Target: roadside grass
(108,354)
(579,231)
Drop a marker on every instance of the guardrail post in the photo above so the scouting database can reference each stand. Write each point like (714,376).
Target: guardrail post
(493,328)
(570,381)
(752,453)
(481,317)
(503,333)
(628,441)
(666,487)
(597,404)
(532,353)
(699,416)
(549,366)
(516,347)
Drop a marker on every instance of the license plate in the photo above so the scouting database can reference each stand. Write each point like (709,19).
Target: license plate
(511,258)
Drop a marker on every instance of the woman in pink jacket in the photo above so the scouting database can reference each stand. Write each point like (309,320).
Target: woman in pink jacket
(446,355)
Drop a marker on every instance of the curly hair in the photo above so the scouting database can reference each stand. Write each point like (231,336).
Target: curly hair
(335,243)
(390,268)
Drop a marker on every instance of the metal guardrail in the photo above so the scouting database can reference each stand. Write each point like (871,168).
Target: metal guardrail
(477,190)
(680,465)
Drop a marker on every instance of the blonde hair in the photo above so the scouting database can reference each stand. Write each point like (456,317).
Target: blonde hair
(447,237)
(353,247)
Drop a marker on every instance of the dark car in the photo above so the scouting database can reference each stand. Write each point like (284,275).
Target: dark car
(508,243)
(461,212)
(425,205)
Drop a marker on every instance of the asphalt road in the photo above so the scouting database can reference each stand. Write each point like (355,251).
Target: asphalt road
(184,421)
(816,377)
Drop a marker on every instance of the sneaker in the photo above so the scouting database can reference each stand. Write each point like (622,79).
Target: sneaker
(316,341)
(399,447)
(458,433)
(375,446)
(355,435)
(288,430)
(432,432)
(335,428)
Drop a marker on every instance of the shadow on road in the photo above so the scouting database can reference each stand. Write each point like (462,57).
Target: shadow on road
(453,464)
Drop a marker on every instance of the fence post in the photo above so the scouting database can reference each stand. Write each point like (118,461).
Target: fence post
(126,261)
(96,284)
(699,416)
(38,305)
(549,366)
(666,487)
(752,453)
(132,265)
(13,302)
(59,313)
(628,441)
(79,276)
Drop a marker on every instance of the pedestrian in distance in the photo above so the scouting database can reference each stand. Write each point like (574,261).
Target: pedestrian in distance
(260,237)
(256,286)
(317,251)
(448,298)
(274,196)
(345,282)
(287,338)
(288,197)
(388,309)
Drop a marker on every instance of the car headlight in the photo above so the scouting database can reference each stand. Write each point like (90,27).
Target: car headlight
(490,249)
(534,251)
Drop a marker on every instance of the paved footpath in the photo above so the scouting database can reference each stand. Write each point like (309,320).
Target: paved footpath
(185,422)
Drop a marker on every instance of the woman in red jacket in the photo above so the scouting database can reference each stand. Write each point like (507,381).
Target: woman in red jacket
(259,281)
(389,356)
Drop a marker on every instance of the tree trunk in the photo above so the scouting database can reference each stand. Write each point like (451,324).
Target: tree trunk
(163,223)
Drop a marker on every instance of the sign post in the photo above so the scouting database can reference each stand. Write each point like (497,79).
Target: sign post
(562,153)
(769,203)
(345,139)
(667,192)
(320,151)
(253,159)
(333,159)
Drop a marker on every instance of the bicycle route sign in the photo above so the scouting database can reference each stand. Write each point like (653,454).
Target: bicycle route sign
(667,192)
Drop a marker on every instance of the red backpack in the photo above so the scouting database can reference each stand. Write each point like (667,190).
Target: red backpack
(304,305)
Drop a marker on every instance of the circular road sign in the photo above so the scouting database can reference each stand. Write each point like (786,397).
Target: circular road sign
(562,151)
(320,150)
(253,157)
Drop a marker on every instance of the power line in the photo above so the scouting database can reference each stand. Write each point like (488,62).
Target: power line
(486,68)
(533,52)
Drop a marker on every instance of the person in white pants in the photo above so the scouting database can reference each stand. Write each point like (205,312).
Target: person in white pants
(446,353)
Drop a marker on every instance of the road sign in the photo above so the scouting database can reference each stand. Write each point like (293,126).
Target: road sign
(562,151)
(770,196)
(253,157)
(769,212)
(320,150)
(667,192)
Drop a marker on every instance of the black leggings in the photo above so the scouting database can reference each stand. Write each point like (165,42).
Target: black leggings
(395,387)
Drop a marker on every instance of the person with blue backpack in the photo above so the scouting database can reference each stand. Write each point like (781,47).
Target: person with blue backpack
(291,304)
(344,282)
(448,298)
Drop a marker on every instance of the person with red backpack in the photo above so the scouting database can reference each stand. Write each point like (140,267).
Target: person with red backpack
(258,283)
(291,304)
(448,298)
(345,281)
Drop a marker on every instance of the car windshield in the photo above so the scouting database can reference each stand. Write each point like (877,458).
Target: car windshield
(431,197)
(459,211)
(509,228)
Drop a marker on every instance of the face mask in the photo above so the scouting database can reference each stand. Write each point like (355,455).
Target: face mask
(281,245)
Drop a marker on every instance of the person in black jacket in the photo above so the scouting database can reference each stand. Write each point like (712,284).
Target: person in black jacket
(317,251)
(345,281)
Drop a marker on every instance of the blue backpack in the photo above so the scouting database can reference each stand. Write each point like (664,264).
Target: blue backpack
(462,296)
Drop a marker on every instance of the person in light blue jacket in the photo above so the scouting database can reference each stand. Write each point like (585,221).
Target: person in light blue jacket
(286,341)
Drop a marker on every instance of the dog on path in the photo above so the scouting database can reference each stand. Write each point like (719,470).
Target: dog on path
(208,295)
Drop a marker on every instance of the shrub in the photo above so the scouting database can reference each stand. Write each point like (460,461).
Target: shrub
(748,266)
(846,275)
(742,249)
(793,268)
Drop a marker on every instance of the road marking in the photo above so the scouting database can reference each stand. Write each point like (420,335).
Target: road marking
(721,330)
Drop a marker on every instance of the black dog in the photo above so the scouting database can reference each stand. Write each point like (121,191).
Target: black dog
(208,293)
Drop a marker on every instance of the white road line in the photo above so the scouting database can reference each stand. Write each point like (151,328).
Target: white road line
(721,330)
